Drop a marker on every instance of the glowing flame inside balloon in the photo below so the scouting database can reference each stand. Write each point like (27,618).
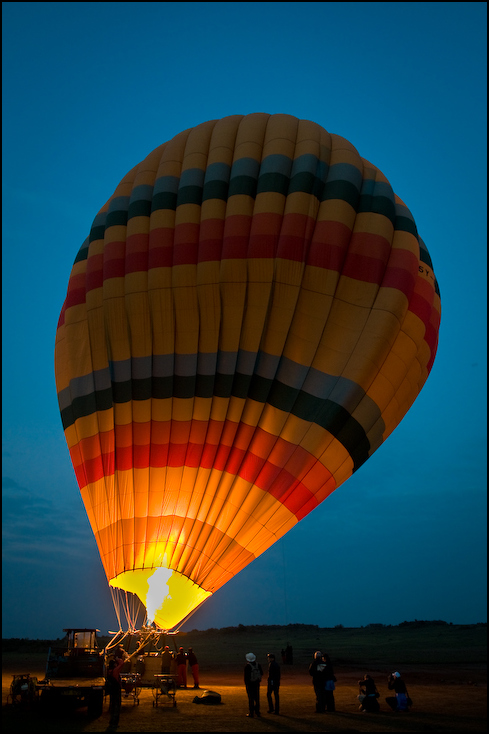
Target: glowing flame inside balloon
(169,596)
(157,583)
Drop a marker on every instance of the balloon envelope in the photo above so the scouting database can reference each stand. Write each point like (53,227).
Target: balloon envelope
(251,316)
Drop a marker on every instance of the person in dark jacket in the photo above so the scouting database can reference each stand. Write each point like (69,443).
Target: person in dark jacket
(329,683)
(252,676)
(368,694)
(316,670)
(166,660)
(194,666)
(323,680)
(113,684)
(400,701)
(273,684)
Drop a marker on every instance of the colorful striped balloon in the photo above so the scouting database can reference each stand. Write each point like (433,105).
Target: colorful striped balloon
(251,316)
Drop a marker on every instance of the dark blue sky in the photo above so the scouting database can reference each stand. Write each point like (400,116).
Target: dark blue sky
(89,89)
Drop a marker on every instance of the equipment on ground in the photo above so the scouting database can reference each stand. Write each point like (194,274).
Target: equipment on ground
(22,690)
(165,685)
(131,685)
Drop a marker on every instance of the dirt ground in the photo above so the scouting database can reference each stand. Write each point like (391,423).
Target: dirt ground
(445,699)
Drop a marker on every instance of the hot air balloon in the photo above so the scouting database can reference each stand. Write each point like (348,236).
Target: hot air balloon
(251,316)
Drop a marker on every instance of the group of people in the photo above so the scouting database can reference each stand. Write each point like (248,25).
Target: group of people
(177,664)
(369,694)
(323,680)
(321,671)
(253,674)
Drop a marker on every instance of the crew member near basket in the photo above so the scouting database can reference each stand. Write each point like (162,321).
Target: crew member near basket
(166,660)
(181,668)
(194,666)
(113,685)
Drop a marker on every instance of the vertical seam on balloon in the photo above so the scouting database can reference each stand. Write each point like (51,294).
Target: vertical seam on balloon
(167,154)
(262,423)
(176,552)
(307,243)
(335,296)
(360,398)
(327,182)
(90,345)
(231,402)
(145,167)
(367,428)
(194,529)
(194,567)
(225,474)
(291,458)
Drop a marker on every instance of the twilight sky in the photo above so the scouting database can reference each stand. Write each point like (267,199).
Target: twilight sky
(89,89)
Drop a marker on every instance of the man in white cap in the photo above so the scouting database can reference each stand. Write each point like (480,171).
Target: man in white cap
(396,683)
(252,676)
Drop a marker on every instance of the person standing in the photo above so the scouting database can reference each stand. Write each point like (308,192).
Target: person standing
(252,676)
(114,689)
(194,666)
(289,657)
(181,668)
(316,670)
(329,683)
(113,685)
(273,684)
(166,660)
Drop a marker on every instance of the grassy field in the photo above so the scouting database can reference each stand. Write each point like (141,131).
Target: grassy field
(444,667)
(372,646)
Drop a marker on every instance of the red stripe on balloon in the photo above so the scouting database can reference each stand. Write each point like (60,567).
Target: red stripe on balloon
(137,252)
(329,245)
(160,247)
(294,493)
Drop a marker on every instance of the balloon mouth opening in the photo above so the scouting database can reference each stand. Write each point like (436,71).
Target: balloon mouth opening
(169,596)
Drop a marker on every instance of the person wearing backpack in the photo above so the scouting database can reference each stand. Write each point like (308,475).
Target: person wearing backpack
(252,676)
